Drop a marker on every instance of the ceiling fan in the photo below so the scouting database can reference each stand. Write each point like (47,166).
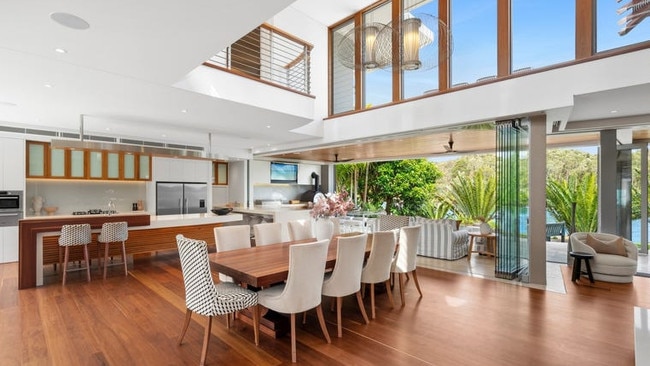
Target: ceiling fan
(449,148)
(336,159)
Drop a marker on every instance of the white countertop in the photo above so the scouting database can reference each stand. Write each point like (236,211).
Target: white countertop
(271,210)
(56,216)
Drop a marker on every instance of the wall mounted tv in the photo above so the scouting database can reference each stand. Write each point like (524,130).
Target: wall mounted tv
(284,172)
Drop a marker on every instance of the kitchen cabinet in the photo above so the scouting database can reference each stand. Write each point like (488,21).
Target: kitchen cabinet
(181,170)
(260,172)
(144,167)
(57,163)
(9,244)
(113,165)
(96,164)
(220,173)
(12,164)
(128,160)
(77,164)
(37,159)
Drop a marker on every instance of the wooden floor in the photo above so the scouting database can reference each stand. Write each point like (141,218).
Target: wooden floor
(461,320)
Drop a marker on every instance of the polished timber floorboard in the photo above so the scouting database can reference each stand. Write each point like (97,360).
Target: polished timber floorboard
(461,320)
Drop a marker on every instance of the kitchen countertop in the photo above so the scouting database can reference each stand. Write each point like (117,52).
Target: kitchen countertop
(271,210)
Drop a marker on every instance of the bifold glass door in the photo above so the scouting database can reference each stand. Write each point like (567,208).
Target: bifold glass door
(632,194)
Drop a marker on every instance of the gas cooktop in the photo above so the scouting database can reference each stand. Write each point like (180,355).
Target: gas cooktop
(95,212)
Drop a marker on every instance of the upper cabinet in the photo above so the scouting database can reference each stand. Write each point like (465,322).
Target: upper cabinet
(181,170)
(12,162)
(260,172)
(43,161)
(220,173)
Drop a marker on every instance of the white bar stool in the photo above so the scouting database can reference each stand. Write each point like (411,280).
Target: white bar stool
(114,232)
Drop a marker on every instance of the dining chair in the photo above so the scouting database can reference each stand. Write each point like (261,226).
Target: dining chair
(73,235)
(404,262)
(378,266)
(302,290)
(231,238)
(345,278)
(204,297)
(114,232)
(300,229)
(268,233)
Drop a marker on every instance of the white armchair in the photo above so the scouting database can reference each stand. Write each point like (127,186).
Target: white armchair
(441,239)
(604,266)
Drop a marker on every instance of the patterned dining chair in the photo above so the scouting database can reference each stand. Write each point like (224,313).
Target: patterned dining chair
(231,238)
(345,278)
(267,233)
(404,263)
(204,297)
(302,290)
(378,266)
(74,235)
(114,232)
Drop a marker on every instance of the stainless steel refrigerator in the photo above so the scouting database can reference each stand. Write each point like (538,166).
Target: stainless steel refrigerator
(174,198)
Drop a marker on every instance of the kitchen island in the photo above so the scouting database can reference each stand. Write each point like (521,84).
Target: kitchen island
(38,236)
(283,214)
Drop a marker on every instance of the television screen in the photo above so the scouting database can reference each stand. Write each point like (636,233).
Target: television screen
(284,172)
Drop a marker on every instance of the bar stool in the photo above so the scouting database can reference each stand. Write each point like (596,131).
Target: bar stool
(114,232)
(71,235)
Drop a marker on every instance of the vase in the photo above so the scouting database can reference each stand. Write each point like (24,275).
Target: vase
(324,228)
(485,228)
(37,204)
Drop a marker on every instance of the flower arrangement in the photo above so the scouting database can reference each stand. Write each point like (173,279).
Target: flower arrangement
(332,204)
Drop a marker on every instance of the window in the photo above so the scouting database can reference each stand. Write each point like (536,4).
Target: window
(607,28)
(378,82)
(474,31)
(543,32)
(425,81)
(342,76)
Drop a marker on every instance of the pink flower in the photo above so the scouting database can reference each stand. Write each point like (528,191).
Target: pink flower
(332,204)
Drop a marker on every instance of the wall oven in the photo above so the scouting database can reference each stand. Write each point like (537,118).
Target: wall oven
(11,207)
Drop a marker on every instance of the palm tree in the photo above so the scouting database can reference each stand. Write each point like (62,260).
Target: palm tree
(472,198)
(583,190)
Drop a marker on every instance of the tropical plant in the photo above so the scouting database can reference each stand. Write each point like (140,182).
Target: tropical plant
(472,198)
(581,190)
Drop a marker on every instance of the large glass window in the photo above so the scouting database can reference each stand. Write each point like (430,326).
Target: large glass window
(608,28)
(377,82)
(474,30)
(342,76)
(543,32)
(424,80)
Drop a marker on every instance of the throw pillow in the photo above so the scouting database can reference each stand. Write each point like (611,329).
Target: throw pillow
(615,246)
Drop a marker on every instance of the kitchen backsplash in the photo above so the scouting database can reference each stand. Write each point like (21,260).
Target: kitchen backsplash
(70,196)
(283,193)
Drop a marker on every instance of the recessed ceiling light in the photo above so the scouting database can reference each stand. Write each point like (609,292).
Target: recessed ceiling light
(183,110)
(107,128)
(163,135)
(47,85)
(268,126)
(613,111)
(69,20)
(60,50)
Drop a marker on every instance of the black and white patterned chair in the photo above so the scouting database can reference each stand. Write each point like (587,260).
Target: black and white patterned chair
(203,296)
(73,235)
(114,232)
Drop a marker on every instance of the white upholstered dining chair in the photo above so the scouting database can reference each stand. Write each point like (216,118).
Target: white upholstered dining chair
(302,290)
(300,229)
(231,238)
(268,233)
(404,262)
(378,266)
(204,297)
(345,279)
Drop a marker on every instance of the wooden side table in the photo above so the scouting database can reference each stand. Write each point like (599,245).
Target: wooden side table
(489,239)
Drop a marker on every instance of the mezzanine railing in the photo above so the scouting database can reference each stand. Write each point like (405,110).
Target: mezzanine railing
(269,55)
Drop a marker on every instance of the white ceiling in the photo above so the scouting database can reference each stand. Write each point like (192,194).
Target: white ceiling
(120,72)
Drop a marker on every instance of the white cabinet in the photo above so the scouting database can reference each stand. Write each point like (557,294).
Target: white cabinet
(12,164)
(304,173)
(8,244)
(260,172)
(181,170)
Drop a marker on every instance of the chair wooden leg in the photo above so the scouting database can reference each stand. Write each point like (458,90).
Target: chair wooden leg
(105,258)
(87,258)
(64,268)
(206,340)
(323,326)
(256,323)
(293,337)
(417,284)
(188,316)
(363,290)
(228,321)
(362,308)
(401,288)
(390,294)
(126,268)
(372,300)
(339,325)
(304,317)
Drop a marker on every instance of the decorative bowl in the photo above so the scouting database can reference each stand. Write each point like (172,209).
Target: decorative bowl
(50,210)
(221,210)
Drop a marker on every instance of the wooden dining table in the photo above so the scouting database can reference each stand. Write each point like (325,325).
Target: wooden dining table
(263,266)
